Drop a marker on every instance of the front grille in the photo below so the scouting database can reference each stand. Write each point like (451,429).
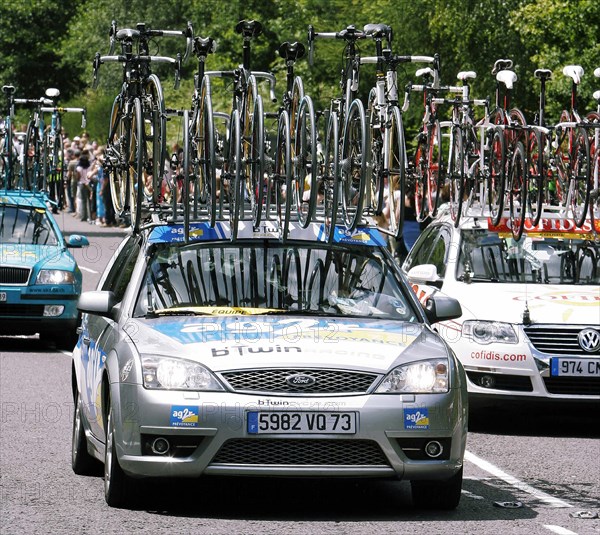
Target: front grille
(556,339)
(577,386)
(325,381)
(518,383)
(301,452)
(24,311)
(14,275)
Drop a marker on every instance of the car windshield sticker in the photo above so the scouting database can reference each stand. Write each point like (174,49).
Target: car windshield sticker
(416,418)
(360,236)
(184,416)
(198,232)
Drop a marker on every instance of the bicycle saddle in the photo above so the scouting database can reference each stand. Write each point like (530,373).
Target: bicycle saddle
(204,45)
(466,75)
(508,78)
(377,31)
(597,72)
(574,71)
(424,72)
(502,64)
(543,74)
(249,28)
(127,33)
(596,95)
(292,51)
(8,89)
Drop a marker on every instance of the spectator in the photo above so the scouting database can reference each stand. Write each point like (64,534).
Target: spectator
(72,179)
(83,185)
(96,179)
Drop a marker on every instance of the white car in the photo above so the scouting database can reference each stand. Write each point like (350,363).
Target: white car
(531,308)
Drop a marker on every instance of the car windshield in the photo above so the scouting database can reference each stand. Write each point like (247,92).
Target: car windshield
(487,256)
(267,278)
(26,225)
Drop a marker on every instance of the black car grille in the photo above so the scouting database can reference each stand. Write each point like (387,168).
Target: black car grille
(577,386)
(23,311)
(14,275)
(325,381)
(556,339)
(294,452)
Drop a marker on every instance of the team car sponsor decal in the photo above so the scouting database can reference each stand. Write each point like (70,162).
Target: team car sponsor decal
(570,297)
(416,418)
(550,228)
(184,416)
(198,232)
(361,236)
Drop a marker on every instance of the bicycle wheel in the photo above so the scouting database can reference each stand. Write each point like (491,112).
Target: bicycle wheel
(536,173)
(594,207)
(562,144)
(31,157)
(330,178)
(297,96)
(456,175)
(282,178)
(155,136)
(232,175)
(258,182)
(136,165)
(376,174)
(117,156)
(353,164)
(186,168)
(304,162)
(420,179)
(435,171)
(517,191)
(395,167)
(579,176)
(497,175)
(203,159)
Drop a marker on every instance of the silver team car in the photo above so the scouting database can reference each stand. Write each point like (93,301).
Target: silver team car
(264,357)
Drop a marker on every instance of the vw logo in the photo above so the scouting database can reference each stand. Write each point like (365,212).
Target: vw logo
(300,380)
(589,340)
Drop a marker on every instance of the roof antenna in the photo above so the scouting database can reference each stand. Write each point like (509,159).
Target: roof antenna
(526,315)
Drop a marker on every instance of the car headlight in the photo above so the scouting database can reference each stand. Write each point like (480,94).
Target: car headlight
(427,376)
(177,374)
(55,276)
(488,332)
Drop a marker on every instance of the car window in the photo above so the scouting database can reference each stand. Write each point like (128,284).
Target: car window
(488,256)
(337,281)
(120,272)
(431,248)
(25,225)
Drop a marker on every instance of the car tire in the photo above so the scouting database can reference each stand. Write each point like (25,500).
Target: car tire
(119,488)
(82,462)
(443,495)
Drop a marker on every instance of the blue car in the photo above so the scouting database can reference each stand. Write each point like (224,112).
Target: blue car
(40,281)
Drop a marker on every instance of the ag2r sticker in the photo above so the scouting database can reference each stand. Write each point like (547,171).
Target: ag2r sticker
(184,416)
(416,418)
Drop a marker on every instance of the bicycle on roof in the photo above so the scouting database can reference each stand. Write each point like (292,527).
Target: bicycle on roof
(344,170)
(136,146)
(242,178)
(9,155)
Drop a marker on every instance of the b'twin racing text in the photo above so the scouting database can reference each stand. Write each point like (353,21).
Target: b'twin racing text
(492,355)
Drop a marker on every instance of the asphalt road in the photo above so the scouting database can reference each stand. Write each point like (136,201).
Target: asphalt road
(544,461)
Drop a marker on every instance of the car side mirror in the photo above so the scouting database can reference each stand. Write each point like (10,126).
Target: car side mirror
(100,303)
(425,274)
(441,307)
(75,241)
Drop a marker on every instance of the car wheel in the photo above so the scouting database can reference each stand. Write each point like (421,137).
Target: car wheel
(437,494)
(119,488)
(82,462)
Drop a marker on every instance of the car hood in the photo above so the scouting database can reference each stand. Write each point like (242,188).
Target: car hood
(224,343)
(22,255)
(547,303)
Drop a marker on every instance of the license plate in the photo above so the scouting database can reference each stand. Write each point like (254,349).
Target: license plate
(301,422)
(2,296)
(573,367)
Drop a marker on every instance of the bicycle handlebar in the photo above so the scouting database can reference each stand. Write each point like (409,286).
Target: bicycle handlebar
(34,101)
(60,109)
(349,34)
(257,74)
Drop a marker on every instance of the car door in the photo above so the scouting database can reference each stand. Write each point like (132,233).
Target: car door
(96,331)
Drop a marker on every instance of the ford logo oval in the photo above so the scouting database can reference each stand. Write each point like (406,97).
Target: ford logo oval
(300,380)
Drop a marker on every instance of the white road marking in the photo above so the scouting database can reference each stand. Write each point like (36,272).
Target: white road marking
(65,352)
(559,529)
(513,481)
(88,270)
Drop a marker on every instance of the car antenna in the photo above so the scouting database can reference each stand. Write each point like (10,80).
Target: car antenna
(526,315)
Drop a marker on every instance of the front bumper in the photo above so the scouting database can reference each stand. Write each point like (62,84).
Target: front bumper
(220,444)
